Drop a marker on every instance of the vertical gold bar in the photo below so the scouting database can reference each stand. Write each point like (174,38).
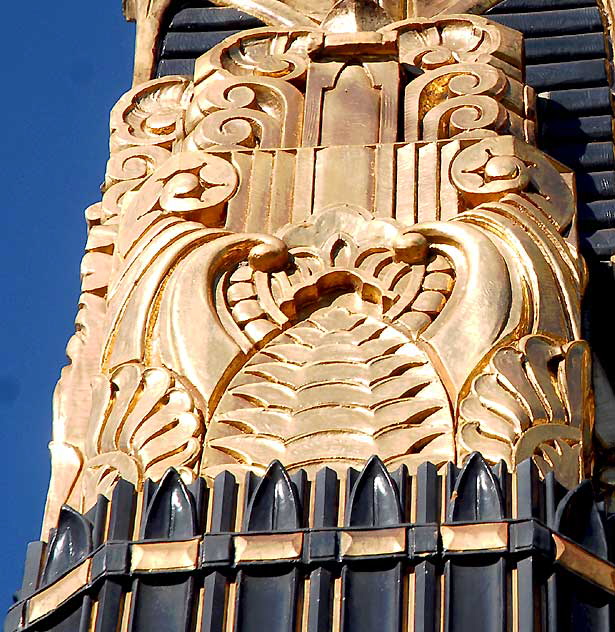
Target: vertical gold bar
(341,513)
(199,611)
(282,189)
(236,211)
(514,491)
(230,607)
(93,615)
(413,499)
(241,498)
(125,616)
(443,500)
(304,184)
(210,505)
(410,593)
(260,192)
(305,609)
(515,600)
(449,196)
(139,511)
(428,177)
(385,181)
(336,624)
(405,196)
(442,603)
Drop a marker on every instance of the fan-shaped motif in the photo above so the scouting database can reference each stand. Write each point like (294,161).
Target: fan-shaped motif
(336,383)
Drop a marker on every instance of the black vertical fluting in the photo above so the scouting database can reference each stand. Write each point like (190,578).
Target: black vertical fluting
(573,604)
(426,593)
(217,552)
(475,595)
(119,532)
(166,602)
(322,549)
(267,597)
(69,545)
(372,593)
(531,568)
(554,493)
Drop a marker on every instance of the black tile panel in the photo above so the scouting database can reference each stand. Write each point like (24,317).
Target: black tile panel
(564,48)
(211,19)
(571,74)
(559,22)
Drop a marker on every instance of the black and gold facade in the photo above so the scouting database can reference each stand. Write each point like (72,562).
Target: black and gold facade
(343,352)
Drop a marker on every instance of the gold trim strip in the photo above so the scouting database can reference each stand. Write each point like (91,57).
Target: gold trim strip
(581,562)
(376,542)
(264,548)
(165,556)
(59,592)
(475,537)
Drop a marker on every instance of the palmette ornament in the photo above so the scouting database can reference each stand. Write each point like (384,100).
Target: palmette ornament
(338,241)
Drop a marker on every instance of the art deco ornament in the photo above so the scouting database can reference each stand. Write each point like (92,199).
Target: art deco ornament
(336,242)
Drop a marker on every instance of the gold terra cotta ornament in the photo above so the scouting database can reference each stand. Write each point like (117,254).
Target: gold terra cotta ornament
(337,241)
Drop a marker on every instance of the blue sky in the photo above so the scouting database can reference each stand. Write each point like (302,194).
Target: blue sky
(65,64)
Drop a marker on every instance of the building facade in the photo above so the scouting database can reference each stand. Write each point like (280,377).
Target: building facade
(342,359)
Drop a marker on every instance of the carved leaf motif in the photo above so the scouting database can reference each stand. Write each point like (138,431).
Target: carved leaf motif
(143,422)
(337,383)
(531,401)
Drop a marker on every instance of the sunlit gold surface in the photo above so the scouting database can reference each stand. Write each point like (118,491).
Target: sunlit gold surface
(377,542)
(268,547)
(168,556)
(475,537)
(52,597)
(579,561)
(311,253)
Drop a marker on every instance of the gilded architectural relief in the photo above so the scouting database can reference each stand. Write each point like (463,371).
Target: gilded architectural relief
(331,244)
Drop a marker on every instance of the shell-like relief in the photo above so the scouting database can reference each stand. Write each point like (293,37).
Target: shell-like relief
(151,113)
(533,401)
(333,389)
(365,264)
(143,421)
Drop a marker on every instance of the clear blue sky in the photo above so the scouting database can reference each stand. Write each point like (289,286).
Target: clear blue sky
(66,62)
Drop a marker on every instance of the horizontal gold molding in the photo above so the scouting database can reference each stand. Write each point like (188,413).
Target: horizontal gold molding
(183,555)
(377,542)
(165,556)
(59,592)
(581,562)
(266,548)
(475,537)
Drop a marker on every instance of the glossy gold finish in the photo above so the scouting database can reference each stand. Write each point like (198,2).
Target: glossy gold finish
(164,556)
(475,537)
(312,254)
(54,596)
(581,562)
(376,542)
(261,548)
